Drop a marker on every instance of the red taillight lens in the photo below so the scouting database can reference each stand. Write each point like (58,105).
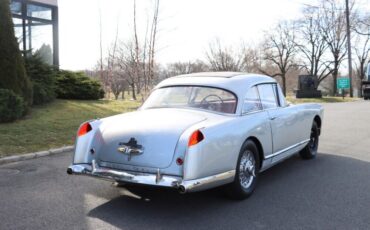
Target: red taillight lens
(195,138)
(84,128)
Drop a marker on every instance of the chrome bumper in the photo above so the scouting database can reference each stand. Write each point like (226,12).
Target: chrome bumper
(157,179)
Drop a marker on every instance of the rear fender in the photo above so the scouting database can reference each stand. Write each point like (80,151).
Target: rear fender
(87,146)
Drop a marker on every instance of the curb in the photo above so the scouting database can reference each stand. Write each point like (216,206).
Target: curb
(34,155)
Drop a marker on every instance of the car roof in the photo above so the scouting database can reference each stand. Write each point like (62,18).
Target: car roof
(212,74)
(236,82)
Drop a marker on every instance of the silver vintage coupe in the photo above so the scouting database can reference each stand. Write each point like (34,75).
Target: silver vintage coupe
(199,131)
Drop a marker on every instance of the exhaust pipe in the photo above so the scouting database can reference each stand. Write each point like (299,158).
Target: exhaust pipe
(182,189)
(78,169)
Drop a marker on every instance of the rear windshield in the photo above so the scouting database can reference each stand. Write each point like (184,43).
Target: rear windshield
(201,97)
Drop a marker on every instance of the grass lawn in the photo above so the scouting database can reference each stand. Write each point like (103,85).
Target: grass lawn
(294,100)
(55,125)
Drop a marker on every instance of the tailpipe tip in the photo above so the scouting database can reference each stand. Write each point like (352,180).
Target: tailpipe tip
(69,171)
(182,189)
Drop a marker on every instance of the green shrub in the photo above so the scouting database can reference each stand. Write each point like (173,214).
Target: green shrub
(76,85)
(11,106)
(12,72)
(43,77)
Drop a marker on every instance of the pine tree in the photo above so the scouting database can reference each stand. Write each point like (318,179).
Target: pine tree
(12,70)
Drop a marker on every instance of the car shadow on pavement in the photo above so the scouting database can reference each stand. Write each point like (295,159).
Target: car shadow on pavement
(324,193)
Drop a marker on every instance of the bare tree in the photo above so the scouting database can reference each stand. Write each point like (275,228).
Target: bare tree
(126,61)
(118,83)
(362,51)
(362,24)
(179,68)
(222,58)
(137,53)
(143,59)
(152,40)
(279,49)
(252,60)
(147,61)
(312,45)
(103,77)
(333,27)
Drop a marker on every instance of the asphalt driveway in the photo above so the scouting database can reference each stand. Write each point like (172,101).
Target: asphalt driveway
(330,192)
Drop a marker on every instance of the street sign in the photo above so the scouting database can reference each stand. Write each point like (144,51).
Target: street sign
(343,83)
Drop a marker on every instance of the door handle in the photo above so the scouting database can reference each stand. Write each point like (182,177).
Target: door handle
(273,118)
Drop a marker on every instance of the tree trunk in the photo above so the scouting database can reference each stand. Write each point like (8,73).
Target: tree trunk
(284,83)
(133,91)
(123,94)
(335,76)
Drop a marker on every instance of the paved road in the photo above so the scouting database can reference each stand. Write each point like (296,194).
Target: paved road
(330,192)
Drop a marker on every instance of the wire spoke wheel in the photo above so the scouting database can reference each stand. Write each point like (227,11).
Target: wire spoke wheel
(310,150)
(247,169)
(313,140)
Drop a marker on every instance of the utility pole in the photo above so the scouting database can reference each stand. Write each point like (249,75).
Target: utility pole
(349,51)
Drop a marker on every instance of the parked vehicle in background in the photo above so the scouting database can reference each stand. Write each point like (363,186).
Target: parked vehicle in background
(366,84)
(199,131)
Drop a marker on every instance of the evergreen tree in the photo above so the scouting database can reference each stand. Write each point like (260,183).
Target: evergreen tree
(12,70)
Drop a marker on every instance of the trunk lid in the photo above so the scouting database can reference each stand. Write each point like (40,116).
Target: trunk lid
(151,134)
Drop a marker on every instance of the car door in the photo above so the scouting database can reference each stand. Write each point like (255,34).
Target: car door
(283,120)
(253,115)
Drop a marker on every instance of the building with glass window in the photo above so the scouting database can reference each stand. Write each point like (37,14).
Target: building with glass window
(36,27)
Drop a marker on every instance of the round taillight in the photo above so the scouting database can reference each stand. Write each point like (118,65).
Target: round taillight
(179,161)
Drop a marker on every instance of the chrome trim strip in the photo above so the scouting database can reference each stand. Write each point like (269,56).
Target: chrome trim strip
(207,182)
(94,170)
(287,149)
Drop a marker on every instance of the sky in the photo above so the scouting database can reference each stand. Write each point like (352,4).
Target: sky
(186,27)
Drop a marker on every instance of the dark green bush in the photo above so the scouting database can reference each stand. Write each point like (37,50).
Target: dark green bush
(76,85)
(12,72)
(43,77)
(11,106)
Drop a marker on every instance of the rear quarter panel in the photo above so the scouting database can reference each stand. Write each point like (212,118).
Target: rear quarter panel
(306,114)
(224,136)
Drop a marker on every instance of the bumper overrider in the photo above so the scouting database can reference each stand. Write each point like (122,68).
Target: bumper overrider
(157,179)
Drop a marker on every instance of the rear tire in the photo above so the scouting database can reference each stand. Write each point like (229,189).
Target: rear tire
(246,174)
(310,151)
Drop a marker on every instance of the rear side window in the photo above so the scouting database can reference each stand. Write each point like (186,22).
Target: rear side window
(252,101)
(267,95)
(282,100)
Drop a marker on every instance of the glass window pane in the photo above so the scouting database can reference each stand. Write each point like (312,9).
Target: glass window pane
(16,7)
(281,96)
(198,97)
(267,95)
(38,11)
(40,40)
(252,102)
(18,30)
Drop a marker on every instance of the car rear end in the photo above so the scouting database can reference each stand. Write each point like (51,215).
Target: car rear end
(163,151)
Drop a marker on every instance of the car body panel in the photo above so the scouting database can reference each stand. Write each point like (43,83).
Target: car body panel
(158,135)
(161,136)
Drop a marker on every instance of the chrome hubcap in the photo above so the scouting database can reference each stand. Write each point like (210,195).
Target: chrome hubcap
(247,169)
(313,140)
